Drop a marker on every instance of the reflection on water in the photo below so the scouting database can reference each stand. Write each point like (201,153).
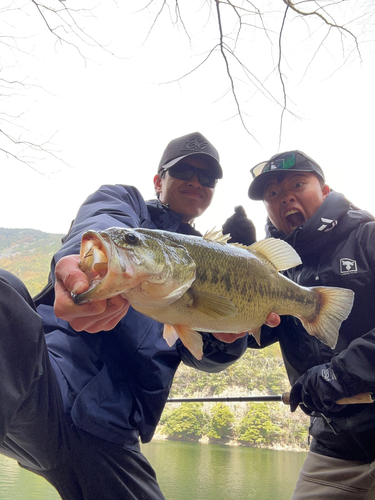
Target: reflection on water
(187,472)
(19,484)
(211,472)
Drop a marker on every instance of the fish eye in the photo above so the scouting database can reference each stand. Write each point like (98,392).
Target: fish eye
(131,238)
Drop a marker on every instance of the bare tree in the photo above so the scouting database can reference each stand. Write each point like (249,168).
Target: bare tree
(263,48)
(23,26)
(274,29)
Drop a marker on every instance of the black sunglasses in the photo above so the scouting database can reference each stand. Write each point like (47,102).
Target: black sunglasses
(186,172)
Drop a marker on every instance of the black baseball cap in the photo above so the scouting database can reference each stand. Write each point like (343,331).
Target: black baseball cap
(187,145)
(290,161)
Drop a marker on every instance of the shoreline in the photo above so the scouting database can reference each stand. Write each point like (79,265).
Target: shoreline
(158,436)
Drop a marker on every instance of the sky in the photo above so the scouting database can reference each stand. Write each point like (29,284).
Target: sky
(109,117)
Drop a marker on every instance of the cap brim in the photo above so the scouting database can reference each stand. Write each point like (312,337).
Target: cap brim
(214,165)
(256,187)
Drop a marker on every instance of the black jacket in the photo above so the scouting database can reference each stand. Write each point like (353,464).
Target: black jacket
(337,248)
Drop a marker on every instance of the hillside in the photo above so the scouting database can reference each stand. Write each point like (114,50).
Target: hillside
(27,253)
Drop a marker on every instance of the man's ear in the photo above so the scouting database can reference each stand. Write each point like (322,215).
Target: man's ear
(325,191)
(157,183)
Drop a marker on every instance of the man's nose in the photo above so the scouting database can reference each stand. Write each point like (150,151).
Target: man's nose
(287,197)
(194,181)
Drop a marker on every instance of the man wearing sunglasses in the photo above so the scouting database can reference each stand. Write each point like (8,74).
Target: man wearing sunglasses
(336,243)
(187,175)
(73,406)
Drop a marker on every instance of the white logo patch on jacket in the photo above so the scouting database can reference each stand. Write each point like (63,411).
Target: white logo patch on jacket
(328,224)
(348,266)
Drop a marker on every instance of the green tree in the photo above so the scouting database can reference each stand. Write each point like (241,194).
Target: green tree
(221,424)
(186,422)
(256,427)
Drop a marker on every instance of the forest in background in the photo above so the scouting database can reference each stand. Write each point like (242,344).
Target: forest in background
(27,253)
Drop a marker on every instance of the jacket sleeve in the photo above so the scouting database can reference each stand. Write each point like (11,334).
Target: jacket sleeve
(355,366)
(109,206)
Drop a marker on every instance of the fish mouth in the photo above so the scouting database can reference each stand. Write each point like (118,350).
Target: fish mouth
(98,260)
(294,218)
(94,257)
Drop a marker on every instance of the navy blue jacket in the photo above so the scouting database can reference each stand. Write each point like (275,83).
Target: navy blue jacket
(115,384)
(337,248)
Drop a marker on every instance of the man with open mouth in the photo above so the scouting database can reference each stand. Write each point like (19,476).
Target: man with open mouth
(335,241)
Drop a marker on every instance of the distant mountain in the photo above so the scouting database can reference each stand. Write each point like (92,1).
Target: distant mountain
(27,253)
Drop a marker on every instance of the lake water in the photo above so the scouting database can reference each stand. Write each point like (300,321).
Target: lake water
(188,472)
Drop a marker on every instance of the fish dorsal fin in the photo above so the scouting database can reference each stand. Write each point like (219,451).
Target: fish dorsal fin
(216,236)
(280,254)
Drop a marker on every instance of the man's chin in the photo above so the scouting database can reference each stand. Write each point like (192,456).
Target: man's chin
(228,337)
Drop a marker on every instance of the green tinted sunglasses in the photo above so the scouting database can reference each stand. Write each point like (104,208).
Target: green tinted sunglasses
(283,162)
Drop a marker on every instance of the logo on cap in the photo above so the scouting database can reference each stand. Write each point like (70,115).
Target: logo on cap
(196,144)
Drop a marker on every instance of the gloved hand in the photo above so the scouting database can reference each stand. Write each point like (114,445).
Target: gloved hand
(318,389)
(241,229)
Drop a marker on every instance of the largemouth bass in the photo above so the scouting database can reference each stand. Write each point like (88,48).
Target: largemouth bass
(193,284)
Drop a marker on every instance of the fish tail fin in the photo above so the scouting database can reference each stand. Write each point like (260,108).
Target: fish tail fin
(335,307)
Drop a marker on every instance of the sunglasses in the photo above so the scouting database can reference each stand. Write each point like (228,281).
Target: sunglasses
(186,172)
(283,162)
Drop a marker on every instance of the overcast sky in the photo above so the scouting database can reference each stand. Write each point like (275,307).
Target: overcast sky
(110,117)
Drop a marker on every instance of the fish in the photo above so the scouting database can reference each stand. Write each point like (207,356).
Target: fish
(197,284)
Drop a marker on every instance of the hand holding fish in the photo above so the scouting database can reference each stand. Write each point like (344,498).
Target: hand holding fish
(102,315)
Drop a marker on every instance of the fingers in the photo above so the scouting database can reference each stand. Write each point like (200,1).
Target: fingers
(93,317)
(272,320)
(239,209)
(115,309)
(68,272)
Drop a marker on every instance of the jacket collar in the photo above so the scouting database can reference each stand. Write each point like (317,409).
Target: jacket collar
(328,222)
(164,219)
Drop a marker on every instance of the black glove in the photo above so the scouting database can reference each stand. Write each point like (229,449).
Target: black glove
(240,228)
(317,390)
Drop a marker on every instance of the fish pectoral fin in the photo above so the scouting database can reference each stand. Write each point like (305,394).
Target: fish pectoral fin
(191,339)
(212,305)
(279,253)
(170,335)
(256,334)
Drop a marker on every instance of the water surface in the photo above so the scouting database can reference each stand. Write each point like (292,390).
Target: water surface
(187,472)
